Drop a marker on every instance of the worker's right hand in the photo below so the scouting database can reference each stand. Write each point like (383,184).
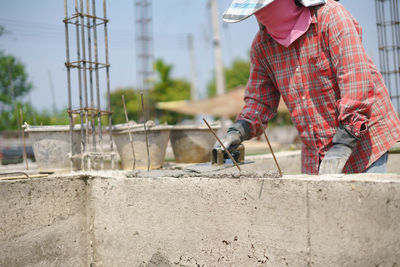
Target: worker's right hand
(231,140)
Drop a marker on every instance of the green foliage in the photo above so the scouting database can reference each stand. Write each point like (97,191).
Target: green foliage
(13,81)
(165,89)
(132,101)
(236,75)
(168,89)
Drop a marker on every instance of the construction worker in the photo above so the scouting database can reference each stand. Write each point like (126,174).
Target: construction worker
(310,53)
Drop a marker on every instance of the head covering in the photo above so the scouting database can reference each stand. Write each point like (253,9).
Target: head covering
(285,21)
(242,9)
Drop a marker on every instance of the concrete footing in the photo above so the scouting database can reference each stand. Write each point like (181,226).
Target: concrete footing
(170,219)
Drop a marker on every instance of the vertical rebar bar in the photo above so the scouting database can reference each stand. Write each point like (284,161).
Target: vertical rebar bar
(130,133)
(67,64)
(21,121)
(108,83)
(78,56)
(92,114)
(85,93)
(96,59)
(145,133)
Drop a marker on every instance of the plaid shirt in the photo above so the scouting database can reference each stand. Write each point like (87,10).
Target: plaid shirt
(325,78)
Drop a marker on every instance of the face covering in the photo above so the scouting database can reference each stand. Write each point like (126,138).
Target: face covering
(284,21)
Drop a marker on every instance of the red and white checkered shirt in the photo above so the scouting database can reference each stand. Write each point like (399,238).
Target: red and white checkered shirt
(325,78)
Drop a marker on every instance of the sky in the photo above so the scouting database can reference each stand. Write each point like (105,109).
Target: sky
(35,34)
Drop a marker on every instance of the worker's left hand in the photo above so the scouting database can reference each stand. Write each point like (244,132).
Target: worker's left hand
(335,159)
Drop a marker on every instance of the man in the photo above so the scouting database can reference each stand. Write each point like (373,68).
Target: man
(312,56)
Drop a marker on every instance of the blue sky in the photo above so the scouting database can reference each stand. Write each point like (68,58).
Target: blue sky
(35,35)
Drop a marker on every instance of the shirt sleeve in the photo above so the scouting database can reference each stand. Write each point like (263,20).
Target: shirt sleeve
(352,71)
(261,96)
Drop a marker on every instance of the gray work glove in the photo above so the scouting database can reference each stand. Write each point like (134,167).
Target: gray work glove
(236,134)
(336,157)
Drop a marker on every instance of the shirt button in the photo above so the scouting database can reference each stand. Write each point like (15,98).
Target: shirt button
(297,69)
(356,134)
(304,97)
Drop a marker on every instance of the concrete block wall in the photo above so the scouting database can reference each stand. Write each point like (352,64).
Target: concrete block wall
(159,219)
(43,222)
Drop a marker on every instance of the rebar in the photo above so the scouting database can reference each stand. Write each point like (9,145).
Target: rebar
(130,133)
(87,65)
(269,145)
(388,24)
(145,133)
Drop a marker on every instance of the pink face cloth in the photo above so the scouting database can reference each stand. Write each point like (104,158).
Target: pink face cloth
(284,21)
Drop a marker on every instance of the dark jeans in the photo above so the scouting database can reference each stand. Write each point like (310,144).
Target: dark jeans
(378,166)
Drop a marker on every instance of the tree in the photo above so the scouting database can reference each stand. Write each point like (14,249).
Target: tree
(132,101)
(14,85)
(165,89)
(168,89)
(236,75)
(14,82)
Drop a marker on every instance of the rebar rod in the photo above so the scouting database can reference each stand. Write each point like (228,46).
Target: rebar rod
(130,133)
(84,88)
(68,84)
(96,59)
(92,119)
(222,145)
(145,133)
(269,145)
(78,53)
(23,138)
(108,83)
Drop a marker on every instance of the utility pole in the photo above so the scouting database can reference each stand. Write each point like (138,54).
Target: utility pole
(144,48)
(193,85)
(219,66)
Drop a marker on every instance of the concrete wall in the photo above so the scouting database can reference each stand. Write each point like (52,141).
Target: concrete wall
(43,222)
(296,221)
(155,220)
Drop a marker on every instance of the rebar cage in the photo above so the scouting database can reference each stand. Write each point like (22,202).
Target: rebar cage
(92,69)
(388,23)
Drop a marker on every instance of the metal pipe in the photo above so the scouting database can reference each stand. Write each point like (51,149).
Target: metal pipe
(222,144)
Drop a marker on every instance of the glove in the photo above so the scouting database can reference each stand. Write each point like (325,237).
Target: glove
(336,158)
(236,134)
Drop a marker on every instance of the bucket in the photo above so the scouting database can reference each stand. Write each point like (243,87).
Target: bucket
(51,147)
(158,137)
(192,144)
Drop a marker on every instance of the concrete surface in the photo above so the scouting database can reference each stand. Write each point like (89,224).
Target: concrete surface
(43,222)
(176,218)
